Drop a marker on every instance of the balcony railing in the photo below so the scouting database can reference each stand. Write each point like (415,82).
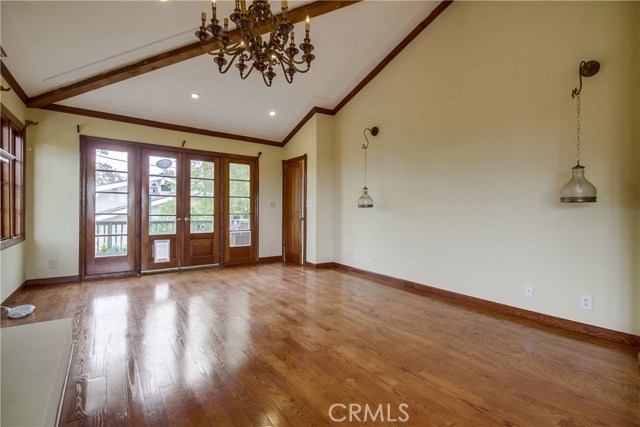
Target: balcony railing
(111,236)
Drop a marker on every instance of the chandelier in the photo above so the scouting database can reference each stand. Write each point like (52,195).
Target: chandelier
(276,48)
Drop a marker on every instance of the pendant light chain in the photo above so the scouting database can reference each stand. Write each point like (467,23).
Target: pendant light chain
(365,167)
(578,129)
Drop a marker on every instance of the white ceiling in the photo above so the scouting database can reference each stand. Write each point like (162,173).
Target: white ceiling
(50,44)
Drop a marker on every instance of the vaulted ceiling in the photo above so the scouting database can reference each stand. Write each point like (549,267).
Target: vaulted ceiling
(140,61)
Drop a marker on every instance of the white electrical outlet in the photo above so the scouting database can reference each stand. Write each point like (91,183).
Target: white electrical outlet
(374,260)
(53,264)
(586,302)
(356,256)
(528,291)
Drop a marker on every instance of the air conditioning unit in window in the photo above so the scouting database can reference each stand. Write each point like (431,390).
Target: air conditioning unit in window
(240,238)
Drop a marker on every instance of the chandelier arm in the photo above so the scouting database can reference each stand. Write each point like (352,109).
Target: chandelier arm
(268,83)
(250,70)
(288,77)
(293,64)
(230,63)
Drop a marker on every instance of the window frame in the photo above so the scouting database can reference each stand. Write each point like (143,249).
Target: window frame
(14,143)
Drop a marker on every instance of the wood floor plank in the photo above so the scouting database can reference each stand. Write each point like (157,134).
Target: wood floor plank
(274,346)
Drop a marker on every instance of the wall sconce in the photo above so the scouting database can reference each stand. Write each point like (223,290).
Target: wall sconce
(579,189)
(365,201)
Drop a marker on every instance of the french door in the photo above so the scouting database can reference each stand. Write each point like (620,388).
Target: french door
(239,212)
(148,208)
(179,209)
(109,208)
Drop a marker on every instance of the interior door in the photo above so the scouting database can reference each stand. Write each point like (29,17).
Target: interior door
(179,209)
(109,208)
(293,175)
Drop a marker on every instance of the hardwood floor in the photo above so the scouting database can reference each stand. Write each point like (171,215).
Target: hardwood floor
(276,346)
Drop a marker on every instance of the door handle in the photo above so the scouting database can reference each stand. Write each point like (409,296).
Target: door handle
(178,219)
(187,219)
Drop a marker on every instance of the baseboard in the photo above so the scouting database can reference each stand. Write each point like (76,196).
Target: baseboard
(52,281)
(270,259)
(495,308)
(322,265)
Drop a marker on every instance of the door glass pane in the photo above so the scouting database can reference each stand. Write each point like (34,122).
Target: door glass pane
(200,169)
(111,224)
(112,203)
(239,222)
(159,205)
(162,166)
(202,187)
(110,160)
(163,186)
(162,225)
(111,245)
(202,224)
(239,188)
(238,171)
(201,205)
(116,182)
(238,205)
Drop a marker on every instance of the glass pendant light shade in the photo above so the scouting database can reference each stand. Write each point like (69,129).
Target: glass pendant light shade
(578,189)
(365,201)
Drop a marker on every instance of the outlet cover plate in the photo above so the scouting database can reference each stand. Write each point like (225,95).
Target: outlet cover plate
(586,302)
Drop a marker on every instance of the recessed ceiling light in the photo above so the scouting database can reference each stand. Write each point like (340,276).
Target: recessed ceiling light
(272,113)
(195,95)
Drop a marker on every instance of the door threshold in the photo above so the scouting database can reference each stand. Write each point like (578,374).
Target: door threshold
(178,269)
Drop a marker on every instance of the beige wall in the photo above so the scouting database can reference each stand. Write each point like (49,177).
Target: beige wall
(53,201)
(477,136)
(12,260)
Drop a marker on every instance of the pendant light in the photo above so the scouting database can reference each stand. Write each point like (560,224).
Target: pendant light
(579,189)
(365,201)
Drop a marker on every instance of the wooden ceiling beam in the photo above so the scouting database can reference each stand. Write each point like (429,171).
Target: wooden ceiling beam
(166,59)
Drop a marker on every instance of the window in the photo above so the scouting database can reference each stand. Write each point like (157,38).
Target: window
(12,174)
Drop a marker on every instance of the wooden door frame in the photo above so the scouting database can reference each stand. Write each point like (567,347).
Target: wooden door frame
(303,158)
